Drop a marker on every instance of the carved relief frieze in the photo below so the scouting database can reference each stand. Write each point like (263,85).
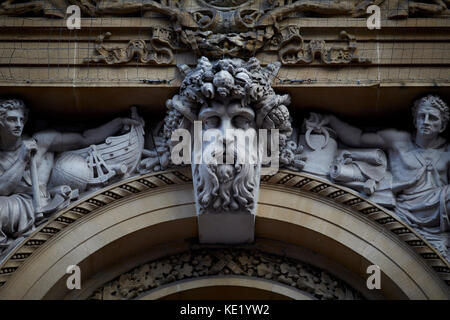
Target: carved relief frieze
(406,172)
(218,45)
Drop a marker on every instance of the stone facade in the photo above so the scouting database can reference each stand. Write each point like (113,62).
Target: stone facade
(240,67)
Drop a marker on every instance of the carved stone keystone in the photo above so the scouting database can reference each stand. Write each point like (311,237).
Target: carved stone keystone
(221,103)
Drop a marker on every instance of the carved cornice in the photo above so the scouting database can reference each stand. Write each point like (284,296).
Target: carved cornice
(202,262)
(157,181)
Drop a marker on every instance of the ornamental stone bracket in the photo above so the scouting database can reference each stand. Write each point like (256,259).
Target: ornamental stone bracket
(236,96)
(225,30)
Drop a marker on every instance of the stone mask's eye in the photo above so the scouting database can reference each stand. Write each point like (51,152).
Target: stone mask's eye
(241,122)
(211,122)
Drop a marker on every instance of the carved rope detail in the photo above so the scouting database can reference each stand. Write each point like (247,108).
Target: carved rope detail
(199,262)
(294,180)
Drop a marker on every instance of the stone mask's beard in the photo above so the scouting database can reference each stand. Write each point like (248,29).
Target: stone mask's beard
(225,187)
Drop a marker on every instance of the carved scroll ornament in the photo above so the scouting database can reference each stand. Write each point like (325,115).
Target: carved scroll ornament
(158,52)
(293,50)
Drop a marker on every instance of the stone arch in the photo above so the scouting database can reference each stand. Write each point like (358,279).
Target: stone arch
(148,217)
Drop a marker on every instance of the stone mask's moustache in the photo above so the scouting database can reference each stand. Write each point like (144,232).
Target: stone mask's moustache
(218,153)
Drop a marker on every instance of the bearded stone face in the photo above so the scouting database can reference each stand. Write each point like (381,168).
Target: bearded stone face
(234,96)
(227,180)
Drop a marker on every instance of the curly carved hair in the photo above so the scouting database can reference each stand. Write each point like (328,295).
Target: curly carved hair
(435,102)
(242,80)
(12,104)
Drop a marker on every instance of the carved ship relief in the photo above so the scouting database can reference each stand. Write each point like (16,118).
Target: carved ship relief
(98,165)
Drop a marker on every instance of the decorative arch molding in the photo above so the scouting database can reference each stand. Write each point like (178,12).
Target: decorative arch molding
(220,284)
(145,218)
